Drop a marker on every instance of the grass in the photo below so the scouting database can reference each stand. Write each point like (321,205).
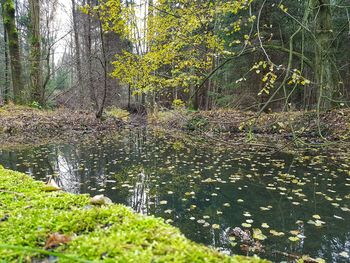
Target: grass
(28,215)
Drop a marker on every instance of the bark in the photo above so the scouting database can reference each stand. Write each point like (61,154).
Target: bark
(325,68)
(37,93)
(88,55)
(7,81)
(77,52)
(104,63)
(8,10)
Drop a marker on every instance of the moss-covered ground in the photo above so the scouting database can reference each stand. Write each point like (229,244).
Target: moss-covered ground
(113,233)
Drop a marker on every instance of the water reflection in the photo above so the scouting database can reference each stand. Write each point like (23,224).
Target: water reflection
(196,187)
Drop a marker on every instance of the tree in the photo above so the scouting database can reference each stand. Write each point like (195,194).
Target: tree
(36,84)
(178,49)
(326,73)
(8,9)
(77,50)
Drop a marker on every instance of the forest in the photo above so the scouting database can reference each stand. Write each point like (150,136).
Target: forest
(248,55)
(174,130)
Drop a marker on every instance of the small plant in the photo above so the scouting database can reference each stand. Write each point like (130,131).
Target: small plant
(36,105)
(197,123)
(178,145)
(178,104)
(118,113)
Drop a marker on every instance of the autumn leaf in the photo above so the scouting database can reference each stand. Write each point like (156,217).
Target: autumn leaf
(57,239)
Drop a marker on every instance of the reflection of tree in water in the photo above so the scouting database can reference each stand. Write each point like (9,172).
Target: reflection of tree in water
(140,195)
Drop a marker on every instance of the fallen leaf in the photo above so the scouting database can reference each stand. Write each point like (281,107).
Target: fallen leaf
(294,239)
(257,234)
(57,239)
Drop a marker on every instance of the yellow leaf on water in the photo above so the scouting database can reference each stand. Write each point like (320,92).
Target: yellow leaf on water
(276,233)
(265,225)
(316,216)
(295,232)
(294,239)
(257,234)
(215,226)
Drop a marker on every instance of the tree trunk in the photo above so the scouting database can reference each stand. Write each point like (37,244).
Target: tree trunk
(77,52)
(7,81)
(35,53)
(325,68)
(88,55)
(101,106)
(8,10)
(194,98)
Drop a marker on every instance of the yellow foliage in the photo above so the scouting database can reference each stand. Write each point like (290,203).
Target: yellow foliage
(178,41)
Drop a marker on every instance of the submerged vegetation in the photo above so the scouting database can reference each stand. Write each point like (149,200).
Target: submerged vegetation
(36,224)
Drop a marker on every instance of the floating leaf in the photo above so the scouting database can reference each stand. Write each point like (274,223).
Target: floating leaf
(294,239)
(246,225)
(295,232)
(265,225)
(344,254)
(257,234)
(215,226)
(276,233)
(319,223)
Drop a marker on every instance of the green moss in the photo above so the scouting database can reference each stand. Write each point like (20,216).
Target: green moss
(28,215)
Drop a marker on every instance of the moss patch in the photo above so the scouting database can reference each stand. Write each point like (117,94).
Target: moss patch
(28,216)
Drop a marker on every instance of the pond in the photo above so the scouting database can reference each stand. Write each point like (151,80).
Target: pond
(297,203)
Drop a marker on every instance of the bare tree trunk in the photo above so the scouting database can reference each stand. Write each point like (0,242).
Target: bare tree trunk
(7,81)
(105,73)
(77,52)
(88,55)
(35,53)
(129,97)
(8,9)
(325,68)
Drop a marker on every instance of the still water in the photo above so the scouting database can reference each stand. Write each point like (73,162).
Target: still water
(297,204)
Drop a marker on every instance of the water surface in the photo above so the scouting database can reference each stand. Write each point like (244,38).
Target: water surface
(301,203)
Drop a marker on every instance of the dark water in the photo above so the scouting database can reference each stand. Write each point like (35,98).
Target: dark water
(207,191)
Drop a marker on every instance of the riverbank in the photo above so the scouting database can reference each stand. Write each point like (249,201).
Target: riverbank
(36,224)
(243,127)
(25,125)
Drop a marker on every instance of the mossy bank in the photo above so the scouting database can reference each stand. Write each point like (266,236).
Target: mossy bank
(29,216)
